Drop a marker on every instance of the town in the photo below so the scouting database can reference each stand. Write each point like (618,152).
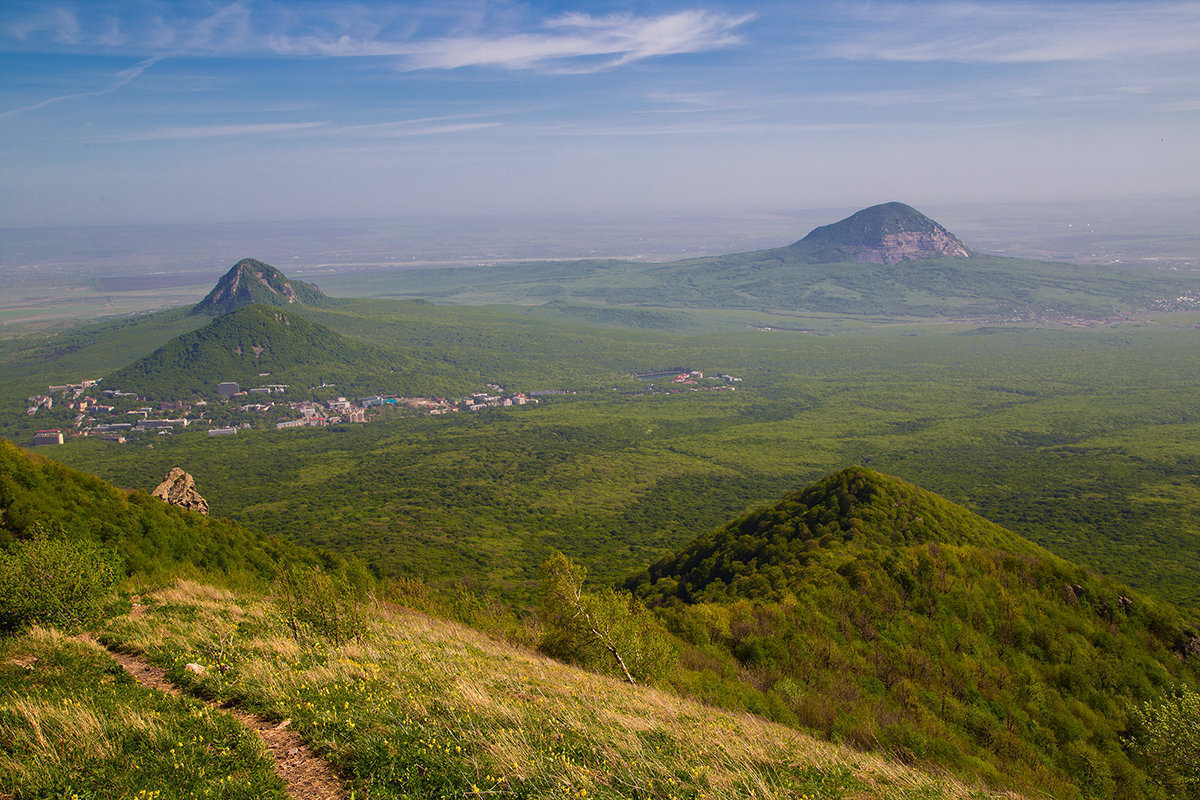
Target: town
(116,416)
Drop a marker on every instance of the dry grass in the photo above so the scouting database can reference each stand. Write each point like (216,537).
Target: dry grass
(513,721)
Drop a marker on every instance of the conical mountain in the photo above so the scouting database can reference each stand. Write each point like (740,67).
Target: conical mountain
(886,615)
(888,233)
(243,345)
(251,282)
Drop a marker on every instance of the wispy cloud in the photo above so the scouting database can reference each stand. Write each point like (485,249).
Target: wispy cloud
(449,37)
(119,79)
(380,130)
(570,43)
(1008,33)
(211,131)
(424,126)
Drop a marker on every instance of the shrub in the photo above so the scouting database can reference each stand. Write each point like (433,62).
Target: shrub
(321,602)
(57,582)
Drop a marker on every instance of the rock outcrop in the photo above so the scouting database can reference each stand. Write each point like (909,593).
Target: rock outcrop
(912,246)
(179,489)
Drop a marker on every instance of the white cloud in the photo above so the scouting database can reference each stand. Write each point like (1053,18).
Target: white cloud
(446,36)
(1008,33)
(570,43)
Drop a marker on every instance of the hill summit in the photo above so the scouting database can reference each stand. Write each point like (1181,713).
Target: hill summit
(888,233)
(251,282)
(886,615)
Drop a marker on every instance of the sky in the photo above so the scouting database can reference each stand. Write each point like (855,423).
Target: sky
(153,112)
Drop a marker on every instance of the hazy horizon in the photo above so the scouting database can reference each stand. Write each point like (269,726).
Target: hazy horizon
(1148,234)
(149,113)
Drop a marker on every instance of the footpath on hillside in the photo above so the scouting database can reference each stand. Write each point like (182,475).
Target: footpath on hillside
(306,775)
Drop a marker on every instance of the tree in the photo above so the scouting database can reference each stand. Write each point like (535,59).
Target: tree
(609,630)
(1169,739)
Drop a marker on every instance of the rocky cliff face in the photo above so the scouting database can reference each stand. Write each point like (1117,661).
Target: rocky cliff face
(179,489)
(913,246)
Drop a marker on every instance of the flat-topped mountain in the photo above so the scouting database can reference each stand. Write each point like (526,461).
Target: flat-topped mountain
(251,282)
(888,233)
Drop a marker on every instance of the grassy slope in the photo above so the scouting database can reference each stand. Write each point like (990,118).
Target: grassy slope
(422,708)
(242,345)
(73,724)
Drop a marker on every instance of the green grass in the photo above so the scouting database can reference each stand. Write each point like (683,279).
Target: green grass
(74,725)
(421,708)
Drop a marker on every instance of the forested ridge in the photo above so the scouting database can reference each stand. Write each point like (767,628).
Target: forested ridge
(883,614)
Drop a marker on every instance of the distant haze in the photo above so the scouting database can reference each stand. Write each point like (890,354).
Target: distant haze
(262,110)
(1158,234)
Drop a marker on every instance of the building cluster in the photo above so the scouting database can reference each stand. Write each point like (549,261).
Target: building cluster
(71,393)
(96,418)
(673,381)
(695,376)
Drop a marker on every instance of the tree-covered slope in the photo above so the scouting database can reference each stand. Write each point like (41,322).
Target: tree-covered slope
(885,614)
(244,344)
(251,282)
(151,536)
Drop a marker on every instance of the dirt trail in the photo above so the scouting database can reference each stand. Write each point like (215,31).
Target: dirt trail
(307,776)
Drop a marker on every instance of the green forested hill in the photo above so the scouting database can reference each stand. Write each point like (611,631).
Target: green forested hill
(151,536)
(244,344)
(884,614)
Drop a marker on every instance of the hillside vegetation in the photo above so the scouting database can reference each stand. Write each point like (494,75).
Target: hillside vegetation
(402,705)
(420,708)
(886,615)
(151,537)
(243,345)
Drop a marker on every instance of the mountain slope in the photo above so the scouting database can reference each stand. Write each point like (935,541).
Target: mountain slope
(882,613)
(151,536)
(422,708)
(241,346)
(251,282)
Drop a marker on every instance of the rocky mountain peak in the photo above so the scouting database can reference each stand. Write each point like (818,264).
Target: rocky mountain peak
(179,489)
(889,233)
(250,281)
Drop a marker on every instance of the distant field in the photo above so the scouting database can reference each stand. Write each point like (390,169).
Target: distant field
(27,308)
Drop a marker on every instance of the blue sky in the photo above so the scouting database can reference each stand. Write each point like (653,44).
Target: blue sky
(169,112)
